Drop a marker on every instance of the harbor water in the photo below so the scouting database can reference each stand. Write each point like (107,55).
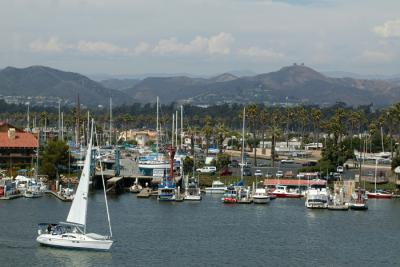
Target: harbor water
(207,233)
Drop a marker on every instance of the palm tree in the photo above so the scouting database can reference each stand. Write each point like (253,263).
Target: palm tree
(263,121)
(252,115)
(303,118)
(207,131)
(316,115)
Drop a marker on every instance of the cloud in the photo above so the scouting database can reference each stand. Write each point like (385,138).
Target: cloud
(260,53)
(141,48)
(99,47)
(389,29)
(89,47)
(53,45)
(217,44)
(377,56)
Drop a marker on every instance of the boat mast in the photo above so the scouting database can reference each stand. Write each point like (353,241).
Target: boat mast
(241,170)
(173,129)
(157,129)
(28,117)
(62,126)
(176,128)
(181,127)
(110,137)
(88,127)
(376,170)
(59,120)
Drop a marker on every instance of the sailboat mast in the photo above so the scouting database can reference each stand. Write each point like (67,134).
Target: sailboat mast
(244,118)
(157,129)
(62,126)
(173,129)
(28,117)
(110,137)
(59,120)
(176,128)
(88,127)
(181,127)
(376,170)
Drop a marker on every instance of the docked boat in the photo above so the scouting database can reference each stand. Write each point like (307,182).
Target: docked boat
(244,195)
(282,191)
(337,202)
(317,198)
(72,233)
(136,188)
(193,191)
(379,194)
(33,191)
(167,190)
(230,195)
(261,196)
(217,187)
(359,201)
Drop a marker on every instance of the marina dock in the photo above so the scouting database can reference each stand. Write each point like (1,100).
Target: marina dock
(57,195)
(11,197)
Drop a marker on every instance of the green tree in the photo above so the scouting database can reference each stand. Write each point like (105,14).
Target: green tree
(222,161)
(54,158)
(188,165)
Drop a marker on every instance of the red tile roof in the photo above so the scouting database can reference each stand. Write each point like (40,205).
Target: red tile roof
(295,182)
(21,140)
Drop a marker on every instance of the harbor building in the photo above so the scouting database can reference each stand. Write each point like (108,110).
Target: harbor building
(17,148)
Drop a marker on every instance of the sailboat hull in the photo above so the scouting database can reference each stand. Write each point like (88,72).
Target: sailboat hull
(74,241)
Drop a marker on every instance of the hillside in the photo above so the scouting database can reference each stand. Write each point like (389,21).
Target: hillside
(45,81)
(300,84)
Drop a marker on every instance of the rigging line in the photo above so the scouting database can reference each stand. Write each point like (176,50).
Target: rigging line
(105,195)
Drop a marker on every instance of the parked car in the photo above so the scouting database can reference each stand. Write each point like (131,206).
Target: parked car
(268,175)
(339,169)
(279,174)
(207,169)
(258,173)
(246,172)
(309,163)
(225,172)
(287,161)
(234,163)
(288,174)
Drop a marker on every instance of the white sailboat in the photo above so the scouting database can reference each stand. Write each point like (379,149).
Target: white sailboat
(72,233)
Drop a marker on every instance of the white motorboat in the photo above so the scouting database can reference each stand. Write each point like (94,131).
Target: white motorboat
(217,187)
(72,234)
(33,191)
(317,198)
(193,191)
(136,188)
(261,196)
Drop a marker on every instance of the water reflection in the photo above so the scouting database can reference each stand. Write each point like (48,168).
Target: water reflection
(70,257)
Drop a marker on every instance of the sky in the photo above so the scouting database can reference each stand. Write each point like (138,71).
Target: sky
(202,37)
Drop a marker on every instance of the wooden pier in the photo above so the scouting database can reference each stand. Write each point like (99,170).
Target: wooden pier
(145,193)
(59,196)
(11,197)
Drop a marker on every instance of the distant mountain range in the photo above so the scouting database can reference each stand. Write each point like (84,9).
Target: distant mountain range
(294,84)
(45,81)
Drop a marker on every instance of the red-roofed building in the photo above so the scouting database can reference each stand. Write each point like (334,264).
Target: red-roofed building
(17,148)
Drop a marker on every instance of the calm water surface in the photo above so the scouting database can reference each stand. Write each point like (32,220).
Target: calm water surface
(207,233)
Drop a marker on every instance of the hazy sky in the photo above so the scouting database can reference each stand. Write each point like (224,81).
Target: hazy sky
(200,36)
